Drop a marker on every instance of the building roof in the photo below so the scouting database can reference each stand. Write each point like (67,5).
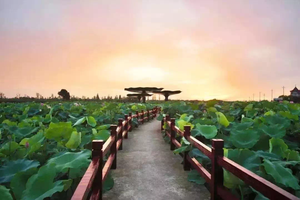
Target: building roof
(295,90)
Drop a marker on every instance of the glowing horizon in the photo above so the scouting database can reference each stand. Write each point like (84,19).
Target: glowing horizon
(206,49)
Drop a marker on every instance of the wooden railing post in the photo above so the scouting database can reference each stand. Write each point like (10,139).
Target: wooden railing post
(173,133)
(216,171)
(97,185)
(120,136)
(113,148)
(126,126)
(142,116)
(162,124)
(148,115)
(186,163)
(130,122)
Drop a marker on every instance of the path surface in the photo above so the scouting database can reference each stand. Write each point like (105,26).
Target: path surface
(147,169)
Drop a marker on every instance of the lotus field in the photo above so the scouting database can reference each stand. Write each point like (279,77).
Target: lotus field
(46,148)
(263,137)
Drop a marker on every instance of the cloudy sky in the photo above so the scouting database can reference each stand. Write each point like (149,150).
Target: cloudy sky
(207,49)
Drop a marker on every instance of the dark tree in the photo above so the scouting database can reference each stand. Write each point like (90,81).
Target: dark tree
(139,96)
(64,94)
(167,93)
(143,91)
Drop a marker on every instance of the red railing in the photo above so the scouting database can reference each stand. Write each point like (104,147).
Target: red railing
(218,161)
(90,186)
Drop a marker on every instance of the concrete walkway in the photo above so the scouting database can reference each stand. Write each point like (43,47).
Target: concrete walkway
(147,169)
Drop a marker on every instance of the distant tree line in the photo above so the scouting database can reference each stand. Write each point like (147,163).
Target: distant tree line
(64,95)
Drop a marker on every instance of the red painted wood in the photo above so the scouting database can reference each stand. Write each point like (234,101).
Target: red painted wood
(173,133)
(202,147)
(265,187)
(176,143)
(216,171)
(130,122)
(168,133)
(181,133)
(186,163)
(107,167)
(224,193)
(119,142)
(120,134)
(97,146)
(148,115)
(107,145)
(113,148)
(124,133)
(126,127)
(200,169)
(84,187)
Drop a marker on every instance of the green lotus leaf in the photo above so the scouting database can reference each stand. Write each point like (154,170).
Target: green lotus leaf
(289,115)
(101,135)
(20,133)
(42,185)
(270,113)
(259,196)
(9,123)
(222,119)
(212,109)
(267,155)
(248,107)
(181,123)
(80,121)
(91,121)
(207,131)
(8,170)
(200,157)
(274,130)
(194,176)
(278,147)
(287,163)
(103,127)
(67,184)
(108,183)
(18,182)
(244,138)
(4,193)
(9,148)
(231,181)
(292,155)
(211,103)
(69,160)
(278,119)
(74,140)
(160,117)
(243,157)
(246,119)
(281,174)
(182,149)
(59,131)
(34,143)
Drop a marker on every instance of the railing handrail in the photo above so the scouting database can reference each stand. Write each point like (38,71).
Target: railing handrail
(215,179)
(90,186)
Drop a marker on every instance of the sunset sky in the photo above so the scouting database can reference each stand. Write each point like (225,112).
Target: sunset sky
(207,49)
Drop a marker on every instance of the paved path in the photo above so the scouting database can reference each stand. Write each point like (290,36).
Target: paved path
(147,169)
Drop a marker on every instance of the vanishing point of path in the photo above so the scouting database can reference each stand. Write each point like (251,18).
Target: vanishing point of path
(147,169)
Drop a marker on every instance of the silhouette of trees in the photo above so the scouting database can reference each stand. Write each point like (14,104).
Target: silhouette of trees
(64,94)
(2,95)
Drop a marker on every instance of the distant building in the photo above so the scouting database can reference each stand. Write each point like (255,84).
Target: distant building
(295,92)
